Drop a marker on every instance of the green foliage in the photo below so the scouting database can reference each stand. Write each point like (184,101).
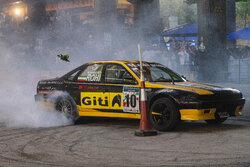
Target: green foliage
(186,12)
(243,13)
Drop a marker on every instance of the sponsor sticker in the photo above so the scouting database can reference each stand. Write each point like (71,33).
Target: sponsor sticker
(95,100)
(88,87)
(100,100)
(94,76)
(131,99)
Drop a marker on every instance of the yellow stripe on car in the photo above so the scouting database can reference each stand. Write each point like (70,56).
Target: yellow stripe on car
(197,114)
(196,90)
(156,113)
(96,113)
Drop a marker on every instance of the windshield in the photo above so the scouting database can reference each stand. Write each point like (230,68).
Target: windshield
(154,72)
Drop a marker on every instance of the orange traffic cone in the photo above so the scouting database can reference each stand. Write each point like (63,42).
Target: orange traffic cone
(145,124)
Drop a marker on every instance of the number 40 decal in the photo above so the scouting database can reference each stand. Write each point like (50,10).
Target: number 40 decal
(131,99)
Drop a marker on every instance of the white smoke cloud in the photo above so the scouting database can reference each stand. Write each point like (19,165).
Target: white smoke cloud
(24,63)
(18,86)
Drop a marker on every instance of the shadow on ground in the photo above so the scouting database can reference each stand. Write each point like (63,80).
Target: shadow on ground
(203,127)
(184,126)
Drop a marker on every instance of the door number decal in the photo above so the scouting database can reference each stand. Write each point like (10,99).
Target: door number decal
(131,99)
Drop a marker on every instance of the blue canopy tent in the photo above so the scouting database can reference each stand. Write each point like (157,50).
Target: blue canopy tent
(183,31)
(241,34)
(187,32)
(185,38)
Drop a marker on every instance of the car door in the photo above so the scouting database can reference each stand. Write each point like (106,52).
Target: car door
(123,89)
(88,89)
(92,90)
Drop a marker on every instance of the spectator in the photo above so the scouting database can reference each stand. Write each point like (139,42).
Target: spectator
(175,45)
(184,59)
(193,57)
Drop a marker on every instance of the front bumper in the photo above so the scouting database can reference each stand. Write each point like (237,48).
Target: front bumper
(205,110)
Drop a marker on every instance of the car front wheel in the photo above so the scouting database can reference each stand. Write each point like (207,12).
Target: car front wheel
(164,114)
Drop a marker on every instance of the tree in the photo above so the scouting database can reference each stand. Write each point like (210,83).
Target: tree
(186,12)
(243,13)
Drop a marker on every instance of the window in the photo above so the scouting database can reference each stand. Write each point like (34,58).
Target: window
(154,72)
(72,76)
(158,74)
(93,73)
(117,74)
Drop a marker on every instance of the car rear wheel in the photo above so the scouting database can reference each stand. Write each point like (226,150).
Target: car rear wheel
(67,106)
(164,114)
(218,120)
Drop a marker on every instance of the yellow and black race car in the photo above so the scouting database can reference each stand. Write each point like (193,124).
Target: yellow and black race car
(112,89)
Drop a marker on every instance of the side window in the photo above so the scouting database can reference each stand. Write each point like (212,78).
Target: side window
(158,74)
(93,73)
(117,74)
(72,76)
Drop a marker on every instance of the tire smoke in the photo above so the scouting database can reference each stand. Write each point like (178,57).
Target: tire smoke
(18,107)
(29,55)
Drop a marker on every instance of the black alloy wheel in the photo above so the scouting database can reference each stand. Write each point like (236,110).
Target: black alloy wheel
(164,114)
(67,106)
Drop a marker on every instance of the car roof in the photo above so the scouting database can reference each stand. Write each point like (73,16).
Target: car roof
(119,61)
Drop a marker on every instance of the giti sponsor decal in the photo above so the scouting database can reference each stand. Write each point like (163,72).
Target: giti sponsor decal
(116,101)
(100,100)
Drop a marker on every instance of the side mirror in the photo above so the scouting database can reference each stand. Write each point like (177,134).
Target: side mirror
(183,76)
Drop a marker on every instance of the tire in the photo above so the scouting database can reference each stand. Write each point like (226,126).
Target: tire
(169,114)
(67,105)
(216,121)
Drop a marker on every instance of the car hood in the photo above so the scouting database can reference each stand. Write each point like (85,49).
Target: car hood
(209,87)
(199,88)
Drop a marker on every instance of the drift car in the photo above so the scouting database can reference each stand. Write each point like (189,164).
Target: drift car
(112,89)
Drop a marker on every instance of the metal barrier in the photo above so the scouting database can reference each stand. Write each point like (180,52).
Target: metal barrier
(239,70)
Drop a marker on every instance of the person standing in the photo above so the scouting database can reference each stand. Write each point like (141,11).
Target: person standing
(174,48)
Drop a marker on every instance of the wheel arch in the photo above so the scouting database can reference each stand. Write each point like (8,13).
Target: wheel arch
(173,117)
(162,95)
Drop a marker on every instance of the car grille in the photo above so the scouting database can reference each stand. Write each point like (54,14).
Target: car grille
(229,108)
